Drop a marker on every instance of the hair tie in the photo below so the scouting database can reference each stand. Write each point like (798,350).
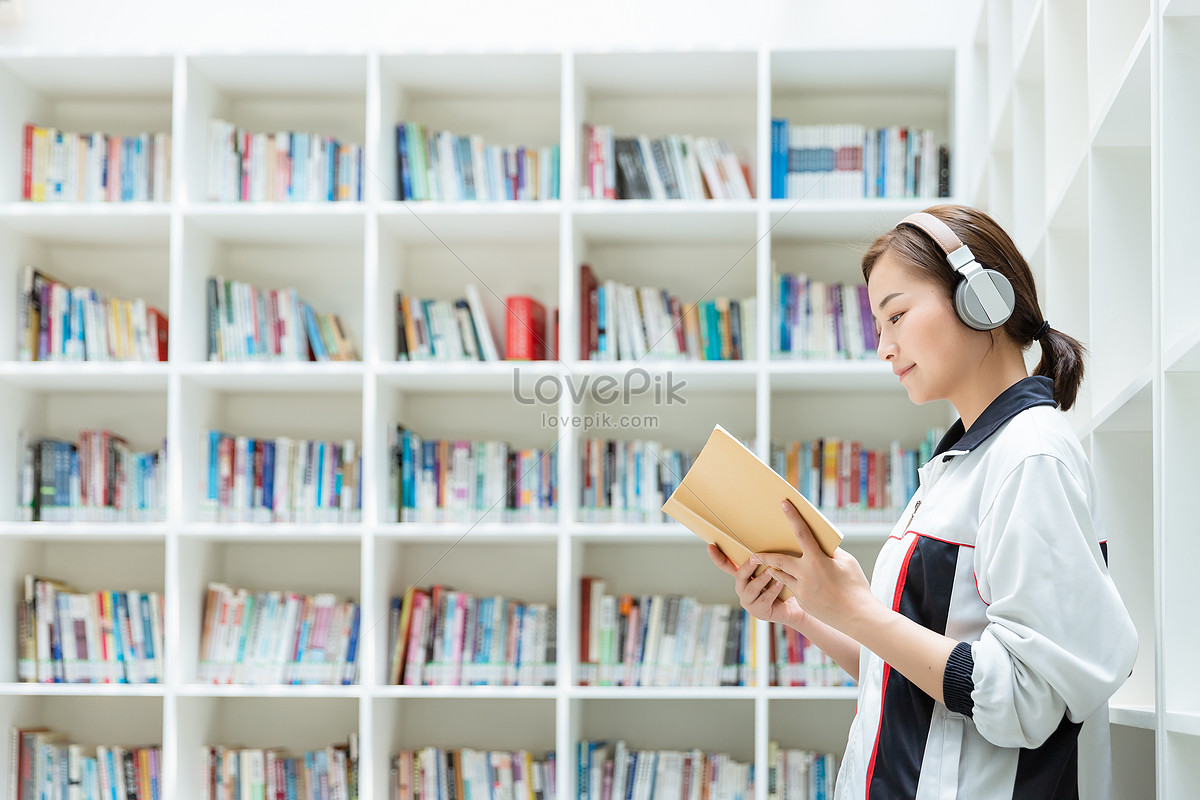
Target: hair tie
(1041,331)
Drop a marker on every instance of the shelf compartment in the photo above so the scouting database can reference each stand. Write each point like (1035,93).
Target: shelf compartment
(140,417)
(655,94)
(464,565)
(1184,355)
(125,258)
(263,566)
(86,567)
(435,257)
(1123,464)
(321,256)
(1067,119)
(292,724)
(296,404)
(117,95)
(911,87)
(315,93)
(714,725)
(814,723)
(1181,540)
(509,100)
(1133,755)
(1114,31)
(1029,139)
(1180,163)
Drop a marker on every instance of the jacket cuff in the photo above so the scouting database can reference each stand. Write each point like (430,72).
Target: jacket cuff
(957,683)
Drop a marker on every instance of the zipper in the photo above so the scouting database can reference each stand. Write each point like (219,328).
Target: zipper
(910,519)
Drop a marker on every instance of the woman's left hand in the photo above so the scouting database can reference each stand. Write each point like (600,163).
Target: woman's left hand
(831,588)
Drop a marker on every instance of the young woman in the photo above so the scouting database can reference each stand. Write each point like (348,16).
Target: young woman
(990,638)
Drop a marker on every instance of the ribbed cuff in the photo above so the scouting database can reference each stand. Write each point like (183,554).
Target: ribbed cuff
(957,683)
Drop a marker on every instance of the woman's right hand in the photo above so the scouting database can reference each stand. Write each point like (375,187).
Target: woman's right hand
(759,595)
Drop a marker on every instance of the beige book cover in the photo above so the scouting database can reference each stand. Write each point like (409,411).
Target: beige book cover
(732,499)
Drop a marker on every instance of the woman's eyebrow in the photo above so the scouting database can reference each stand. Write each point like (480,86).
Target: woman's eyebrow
(888,299)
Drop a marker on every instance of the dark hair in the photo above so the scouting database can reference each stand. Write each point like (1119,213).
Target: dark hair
(1062,355)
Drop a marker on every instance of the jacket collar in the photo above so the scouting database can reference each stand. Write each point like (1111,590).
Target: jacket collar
(1037,390)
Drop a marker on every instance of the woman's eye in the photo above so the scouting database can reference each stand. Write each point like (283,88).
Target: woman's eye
(892,319)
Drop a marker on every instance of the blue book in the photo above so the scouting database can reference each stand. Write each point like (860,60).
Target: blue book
(403,171)
(148,637)
(314,332)
(352,648)
(320,474)
(269,475)
(779,158)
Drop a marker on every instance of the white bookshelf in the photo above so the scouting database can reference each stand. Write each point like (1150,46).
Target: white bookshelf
(1113,195)
(350,258)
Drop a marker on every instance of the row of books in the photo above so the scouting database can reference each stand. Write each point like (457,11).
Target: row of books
(445,480)
(613,772)
(795,774)
(850,482)
(674,167)
(443,637)
(434,773)
(444,330)
(62,166)
(97,478)
(281,479)
(278,167)
(45,766)
(819,320)
(67,636)
(236,773)
(249,323)
(273,637)
(623,322)
(795,661)
(849,162)
(441,165)
(661,640)
(627,481)
(58,322)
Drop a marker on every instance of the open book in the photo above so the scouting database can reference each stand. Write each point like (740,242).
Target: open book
(730,498)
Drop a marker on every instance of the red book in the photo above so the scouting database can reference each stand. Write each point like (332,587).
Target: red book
(589,324)
(585,622)
(525,330)
(27,165)
(158,332)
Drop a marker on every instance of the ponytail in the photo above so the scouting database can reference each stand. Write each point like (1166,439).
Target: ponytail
(1062,362)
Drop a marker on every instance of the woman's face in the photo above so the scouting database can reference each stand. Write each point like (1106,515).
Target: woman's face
(932,352)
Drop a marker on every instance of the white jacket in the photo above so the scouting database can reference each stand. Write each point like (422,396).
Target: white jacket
(1001,549)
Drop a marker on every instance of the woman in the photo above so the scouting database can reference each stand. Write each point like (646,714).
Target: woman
(991,636)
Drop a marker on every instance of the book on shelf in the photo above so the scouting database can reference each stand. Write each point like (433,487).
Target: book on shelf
(795,661)
(442,165)
(661,640)
(525,329)
(820,320)
(68,636)
(850,482)
(241,772)
(672,167)
(611,770)
(626,481)
(297,166)
(460,480)
(444,330)
(62,166)
(623,322)
(281,480)
(850,162)
(59,322)
(445,637)
(470,773)
(731,499)
(796,774)
(249,323)
(44,765)
(98,478)
(261,638)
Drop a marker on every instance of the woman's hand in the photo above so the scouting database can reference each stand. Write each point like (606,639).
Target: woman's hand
(831,588)
(759,595)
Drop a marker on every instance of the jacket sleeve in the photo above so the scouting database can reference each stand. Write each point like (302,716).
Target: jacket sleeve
(1058,639)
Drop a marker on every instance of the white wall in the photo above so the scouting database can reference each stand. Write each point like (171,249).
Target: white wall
(156,25)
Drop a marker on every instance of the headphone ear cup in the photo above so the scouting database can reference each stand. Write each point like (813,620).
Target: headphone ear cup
(971,309)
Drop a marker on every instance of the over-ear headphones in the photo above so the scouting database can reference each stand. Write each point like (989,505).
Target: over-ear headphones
(984,298)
